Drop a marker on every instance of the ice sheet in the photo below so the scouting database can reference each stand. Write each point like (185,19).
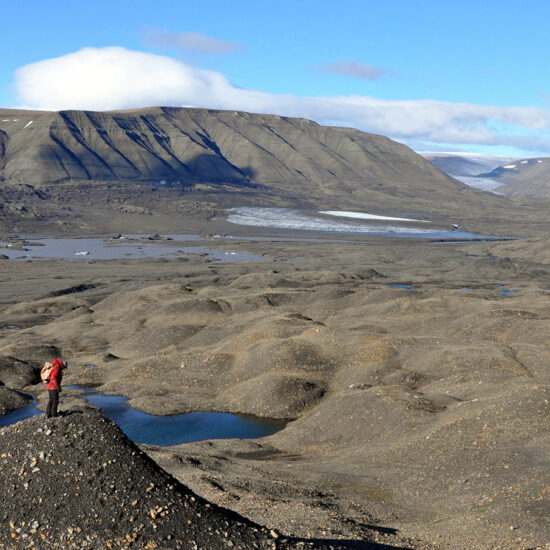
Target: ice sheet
(287,218)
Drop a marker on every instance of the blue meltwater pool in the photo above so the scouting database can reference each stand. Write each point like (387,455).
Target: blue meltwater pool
(181,428)
(164,430)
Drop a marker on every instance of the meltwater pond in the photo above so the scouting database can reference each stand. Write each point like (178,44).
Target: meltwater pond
(19,414)
(164,430)
(132,246)
(180,428)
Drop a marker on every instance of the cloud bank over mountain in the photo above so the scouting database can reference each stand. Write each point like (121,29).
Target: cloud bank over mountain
(117,78)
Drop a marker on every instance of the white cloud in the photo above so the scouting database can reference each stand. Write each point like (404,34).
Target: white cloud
(354,69)
(189,41)
(114,78)
(117,78)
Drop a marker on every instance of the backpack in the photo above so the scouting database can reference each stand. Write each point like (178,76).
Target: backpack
(46,371)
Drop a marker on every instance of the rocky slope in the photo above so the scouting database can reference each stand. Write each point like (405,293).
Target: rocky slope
(78,482)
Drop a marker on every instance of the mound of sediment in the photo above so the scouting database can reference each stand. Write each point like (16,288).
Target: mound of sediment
(306,277)
(78,482)
(17,374)
(276,395)
(11,399)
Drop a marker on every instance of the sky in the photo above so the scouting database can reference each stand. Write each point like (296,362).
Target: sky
(436,75)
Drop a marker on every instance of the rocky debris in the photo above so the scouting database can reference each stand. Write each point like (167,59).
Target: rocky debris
(32,353)
(77,482)
(17,374)
(12,399)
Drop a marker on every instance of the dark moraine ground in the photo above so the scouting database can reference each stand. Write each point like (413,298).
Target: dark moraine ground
(78,482)
(419,416)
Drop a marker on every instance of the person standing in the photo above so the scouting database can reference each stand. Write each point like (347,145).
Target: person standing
(54,386)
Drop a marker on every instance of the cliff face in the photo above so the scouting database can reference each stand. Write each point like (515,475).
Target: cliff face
(185,146)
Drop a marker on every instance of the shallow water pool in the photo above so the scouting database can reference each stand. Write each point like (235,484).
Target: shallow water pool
(134,246)
(164,430)
(404,287)
(19,414)
(181,428)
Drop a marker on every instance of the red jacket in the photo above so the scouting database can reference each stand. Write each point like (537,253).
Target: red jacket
(56,375)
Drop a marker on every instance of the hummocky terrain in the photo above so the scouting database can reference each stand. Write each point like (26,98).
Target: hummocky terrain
(414,374)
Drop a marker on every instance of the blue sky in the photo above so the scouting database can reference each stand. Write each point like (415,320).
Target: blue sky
(455,75)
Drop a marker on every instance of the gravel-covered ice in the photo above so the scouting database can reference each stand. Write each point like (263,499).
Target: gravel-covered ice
(288,218)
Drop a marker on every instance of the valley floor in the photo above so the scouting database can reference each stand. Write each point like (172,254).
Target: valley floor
(416,375)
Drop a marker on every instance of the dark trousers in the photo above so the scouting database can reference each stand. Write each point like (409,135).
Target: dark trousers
(51,410)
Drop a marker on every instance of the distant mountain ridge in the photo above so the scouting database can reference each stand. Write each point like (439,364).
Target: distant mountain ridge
(465,164)
(126,169)
(469,168)
(528,177)
(525,177)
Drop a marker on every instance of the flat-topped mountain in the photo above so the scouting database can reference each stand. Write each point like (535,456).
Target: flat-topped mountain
(186,147)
